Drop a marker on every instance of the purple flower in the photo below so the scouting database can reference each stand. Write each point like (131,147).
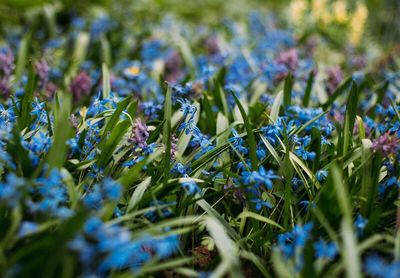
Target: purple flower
(289,58)
(212,45)
(335,76)
(6,67)
(81,86)
(139,134)
(174,146)
(173,66)
(6,62)
(386,144)
(42,70)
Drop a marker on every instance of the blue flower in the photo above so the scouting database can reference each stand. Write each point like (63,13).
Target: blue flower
(53,196)
(360,223)
(186,107)
(305,155)
(27,228)
(189,127)
(153,215)
(7,115)
(107,190)
(260,204)
(292,243)
(10,190)
(272,132)
(237,141)
(379,268)
(260,177)
(321,175)
(103,248)
(37,108)
(181,169)
(324,250)
(191,187)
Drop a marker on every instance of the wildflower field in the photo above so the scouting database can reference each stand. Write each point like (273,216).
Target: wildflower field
(209,138)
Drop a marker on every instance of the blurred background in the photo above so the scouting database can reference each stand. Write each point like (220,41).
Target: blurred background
(366,27)
(383,24)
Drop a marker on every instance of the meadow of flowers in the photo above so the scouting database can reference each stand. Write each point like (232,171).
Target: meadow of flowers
(137,143)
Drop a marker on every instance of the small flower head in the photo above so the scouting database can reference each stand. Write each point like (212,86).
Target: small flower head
(289,58)
(335,76)
(139,134)
(386,144)
(81,86)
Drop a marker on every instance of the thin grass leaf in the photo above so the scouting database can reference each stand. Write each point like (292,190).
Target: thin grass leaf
(27,98)
(308,90)
(276,105)
(346,136)
(106,81)
(62,132)
(167,134)
(287,90)
(249,214)
(22,56)
(250,134)
(226,248)
(339,91)
(138,194)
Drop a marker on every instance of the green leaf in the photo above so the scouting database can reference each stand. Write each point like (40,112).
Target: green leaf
(22,56)
(276,105)
(167,133)
(138,194)
(339,90)
(350,251)
(370,172)
(227,249)
(130,176)
(62,132)
(287,90)
(250,134)
(223,134)
(209,115)
(335,179)
(307,92)
(271,149)
(212,212)
(27,98)
(19,153)
(78,56)
(349,120)
(105,50)
(114,131)
(106,81)
(156,266)
(111,142)
(249,214)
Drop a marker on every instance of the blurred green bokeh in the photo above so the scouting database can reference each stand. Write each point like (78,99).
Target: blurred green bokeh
(383,21)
